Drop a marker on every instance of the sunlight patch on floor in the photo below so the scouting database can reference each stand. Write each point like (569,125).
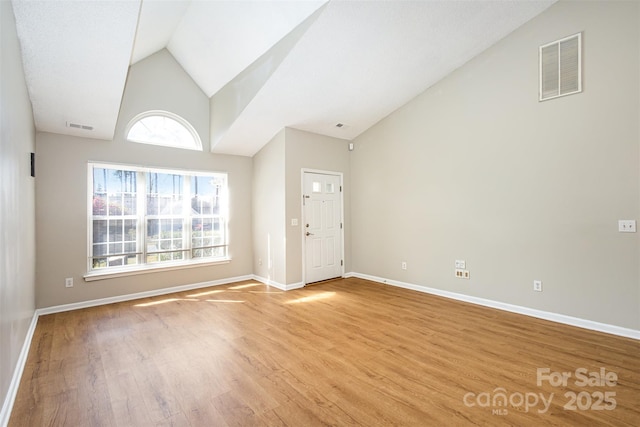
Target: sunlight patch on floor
(311,298)
(164,301)
(200,294)
(250,285)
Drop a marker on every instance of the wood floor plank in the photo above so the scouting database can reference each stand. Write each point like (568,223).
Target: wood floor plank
(344,352)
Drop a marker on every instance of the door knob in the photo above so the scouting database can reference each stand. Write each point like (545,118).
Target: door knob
(309,234)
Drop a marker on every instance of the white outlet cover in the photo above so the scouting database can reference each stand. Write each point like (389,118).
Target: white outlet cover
(537,285)
(627,226)
(461,263)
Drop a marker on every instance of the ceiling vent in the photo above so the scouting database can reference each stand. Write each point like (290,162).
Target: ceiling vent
(561,67)
(79,126)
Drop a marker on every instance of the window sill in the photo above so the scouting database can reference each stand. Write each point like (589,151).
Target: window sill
(144,269)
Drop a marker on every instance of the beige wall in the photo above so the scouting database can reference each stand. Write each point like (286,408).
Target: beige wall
(305,150)
(477,169)
(159,83)
(268,206)
(17,204)
(277,199)
(154,83)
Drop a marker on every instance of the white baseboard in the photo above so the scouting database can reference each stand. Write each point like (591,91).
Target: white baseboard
(139,295)
(278,285)
(10,398)
(546,315)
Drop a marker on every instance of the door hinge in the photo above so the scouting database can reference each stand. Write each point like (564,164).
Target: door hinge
(341,226)
(341,263)
(341,188)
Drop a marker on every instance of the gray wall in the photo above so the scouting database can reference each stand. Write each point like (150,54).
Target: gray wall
(305,150)
(268,205)
(475,168)
(17,202)
(157,82)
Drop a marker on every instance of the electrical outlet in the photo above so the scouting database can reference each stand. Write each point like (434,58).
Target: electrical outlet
(537,285)
(404,265)
(68,282)
(462,274)
(627,226)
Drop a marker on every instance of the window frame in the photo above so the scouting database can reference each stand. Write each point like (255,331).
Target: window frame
(141,217)
(170,115)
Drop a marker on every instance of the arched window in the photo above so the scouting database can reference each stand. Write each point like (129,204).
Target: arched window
(165,129)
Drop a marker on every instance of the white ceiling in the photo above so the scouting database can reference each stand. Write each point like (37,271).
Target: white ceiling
(357,62)
(75,57)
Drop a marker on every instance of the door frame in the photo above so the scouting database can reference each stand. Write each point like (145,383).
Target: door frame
(302,228)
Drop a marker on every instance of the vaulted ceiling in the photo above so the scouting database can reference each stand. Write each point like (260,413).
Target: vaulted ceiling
(329,62)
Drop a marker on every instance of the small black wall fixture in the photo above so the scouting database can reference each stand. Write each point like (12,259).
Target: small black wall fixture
(33,165)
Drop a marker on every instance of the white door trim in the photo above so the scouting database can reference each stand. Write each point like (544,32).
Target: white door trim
(302,228)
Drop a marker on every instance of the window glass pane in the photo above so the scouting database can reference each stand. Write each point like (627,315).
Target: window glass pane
(202,231)
(165,131)
(115,248)
(164,194)
(164,235)
(130,204)
(219,231)
(99,263)
(99,203)
(206,209)
(115,230)
(330,187)
(131,231)
(116,261)
(113,192)
(99,231)
(99,249)
(170,200)
(205,194)
(115,205)
(132,259)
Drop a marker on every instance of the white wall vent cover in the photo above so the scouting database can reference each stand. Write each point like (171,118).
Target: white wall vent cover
(561,67)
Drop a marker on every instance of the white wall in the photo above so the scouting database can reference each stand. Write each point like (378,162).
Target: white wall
(475,168)
(17,203)
(268,209)
(157,82)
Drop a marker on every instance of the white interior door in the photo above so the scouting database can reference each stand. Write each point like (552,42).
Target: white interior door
(322,205)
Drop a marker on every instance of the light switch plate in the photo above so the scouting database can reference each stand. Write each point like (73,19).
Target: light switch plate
(294,222)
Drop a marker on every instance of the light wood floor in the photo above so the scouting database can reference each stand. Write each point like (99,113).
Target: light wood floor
(348,352)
